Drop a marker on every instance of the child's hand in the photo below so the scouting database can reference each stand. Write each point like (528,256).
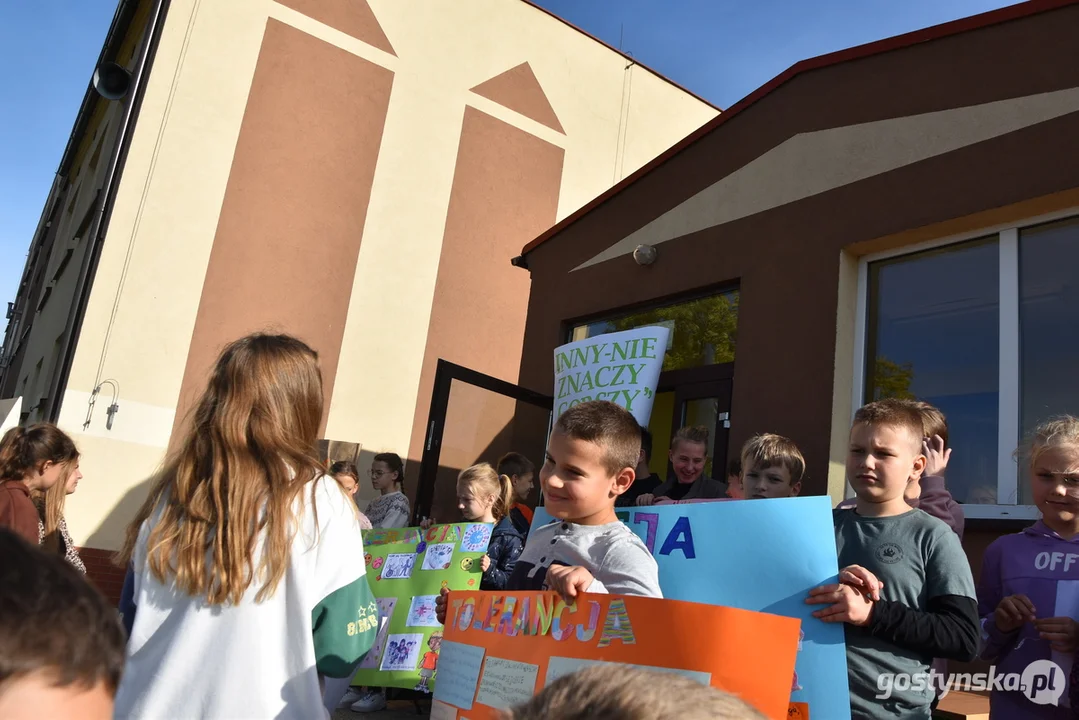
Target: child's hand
(936,457)
(568,581)
(645,499)
(847,604)
(1061,632)
(862,580)
(1012,612)
(440,605)
(485,563)
(426,523)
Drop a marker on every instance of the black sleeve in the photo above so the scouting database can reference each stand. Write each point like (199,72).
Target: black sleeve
(948,628)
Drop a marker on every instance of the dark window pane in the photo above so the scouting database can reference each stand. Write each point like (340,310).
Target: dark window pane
(1048,328)
(703,332)
(933,334)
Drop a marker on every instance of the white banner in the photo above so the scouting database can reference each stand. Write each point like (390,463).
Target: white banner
(621,367)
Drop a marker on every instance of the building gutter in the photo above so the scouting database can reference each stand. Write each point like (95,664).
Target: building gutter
(107,194)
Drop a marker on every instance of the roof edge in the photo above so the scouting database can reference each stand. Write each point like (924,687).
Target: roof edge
(877,47)
(632,59)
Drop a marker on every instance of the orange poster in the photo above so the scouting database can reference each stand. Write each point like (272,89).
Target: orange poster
(499,649)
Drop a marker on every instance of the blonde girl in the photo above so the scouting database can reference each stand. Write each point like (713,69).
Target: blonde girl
(1026,594)
(51,525)
(484,496)
(246,589)
(32,460)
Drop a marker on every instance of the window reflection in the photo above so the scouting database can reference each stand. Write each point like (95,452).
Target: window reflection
(1048,328)
(933,334)
(703,331)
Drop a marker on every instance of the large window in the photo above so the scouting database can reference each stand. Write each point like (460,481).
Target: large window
(987,330)
(703,331)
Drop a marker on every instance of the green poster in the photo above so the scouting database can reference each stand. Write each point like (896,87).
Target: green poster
(407,568)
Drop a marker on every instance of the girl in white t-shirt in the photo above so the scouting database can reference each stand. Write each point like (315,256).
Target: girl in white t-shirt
(246,561)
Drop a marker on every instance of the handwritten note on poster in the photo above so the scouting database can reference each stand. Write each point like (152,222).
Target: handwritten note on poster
(506,683)
(459,672)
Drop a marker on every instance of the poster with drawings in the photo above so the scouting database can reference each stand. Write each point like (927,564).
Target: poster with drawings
(398,567)
(421,613)
(406,594)
(385,612)
(438,556)
(402,652)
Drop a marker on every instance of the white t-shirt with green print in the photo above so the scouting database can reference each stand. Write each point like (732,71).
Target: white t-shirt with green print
(188,659)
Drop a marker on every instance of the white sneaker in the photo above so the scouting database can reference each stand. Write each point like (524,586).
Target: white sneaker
(353,694)
(372,702)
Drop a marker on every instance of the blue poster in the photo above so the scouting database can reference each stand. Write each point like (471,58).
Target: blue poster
(761,555)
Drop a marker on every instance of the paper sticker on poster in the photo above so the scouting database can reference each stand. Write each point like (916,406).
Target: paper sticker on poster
(621,367)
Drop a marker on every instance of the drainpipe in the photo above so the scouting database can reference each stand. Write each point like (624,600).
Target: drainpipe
(100,224)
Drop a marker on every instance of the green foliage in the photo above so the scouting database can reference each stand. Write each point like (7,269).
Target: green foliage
(705,331)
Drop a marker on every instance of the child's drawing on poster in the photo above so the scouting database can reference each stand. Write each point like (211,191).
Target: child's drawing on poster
(429,663)
(402,652)
(385,612)
(398,566)
(438,556)
(421,613)
(476,538)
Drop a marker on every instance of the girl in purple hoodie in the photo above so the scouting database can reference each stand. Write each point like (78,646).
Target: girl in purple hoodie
(1029,591)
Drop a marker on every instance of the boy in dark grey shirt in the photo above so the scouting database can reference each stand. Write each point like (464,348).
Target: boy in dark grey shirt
(590,462)
(906,592)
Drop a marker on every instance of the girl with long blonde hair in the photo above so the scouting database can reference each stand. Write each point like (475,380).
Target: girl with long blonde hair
(247,580)
(51,525)
(484,496)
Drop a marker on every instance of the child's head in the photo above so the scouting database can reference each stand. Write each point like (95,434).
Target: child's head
(50,503)
(1053,453)
(435,641)
(245,459)
(61,645)
(387,472)
(619,692)
(772,467)
(39,455)
(520,471)
(590,461)
(885,450)
(480,489)
(689,452)
(645,456)
(347,476)
(734,479)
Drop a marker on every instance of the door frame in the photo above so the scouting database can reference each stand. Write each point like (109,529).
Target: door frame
(445,373)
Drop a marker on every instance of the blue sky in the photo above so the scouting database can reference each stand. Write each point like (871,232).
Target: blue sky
(719,49)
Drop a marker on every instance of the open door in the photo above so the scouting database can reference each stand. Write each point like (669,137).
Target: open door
(476,418)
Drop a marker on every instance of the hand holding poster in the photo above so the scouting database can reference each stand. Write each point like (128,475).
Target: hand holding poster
(502,648)
(761,555)
(621,367)
(407,568)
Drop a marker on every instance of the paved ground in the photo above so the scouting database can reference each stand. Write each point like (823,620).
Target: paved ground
(397,710)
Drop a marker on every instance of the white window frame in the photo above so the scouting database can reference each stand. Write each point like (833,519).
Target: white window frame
(1008,387)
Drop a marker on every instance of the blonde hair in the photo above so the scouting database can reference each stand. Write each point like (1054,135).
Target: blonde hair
(50,507)
(894,413)
(484,479)
(769,450)
(697,434)
(1061,431)
(619,692)
(247,456)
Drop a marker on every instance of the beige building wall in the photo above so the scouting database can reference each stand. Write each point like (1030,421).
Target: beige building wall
(179,175)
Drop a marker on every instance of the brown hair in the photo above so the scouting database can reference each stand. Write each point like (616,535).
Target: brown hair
(695,434)
(24,449)
(514,463)
(620,692)
(50,506)
(610,426)
(53,622)
(489,483)
(768,450)
(246,458)
(1061,431)
(394,463)
(893,412)
(345,467)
